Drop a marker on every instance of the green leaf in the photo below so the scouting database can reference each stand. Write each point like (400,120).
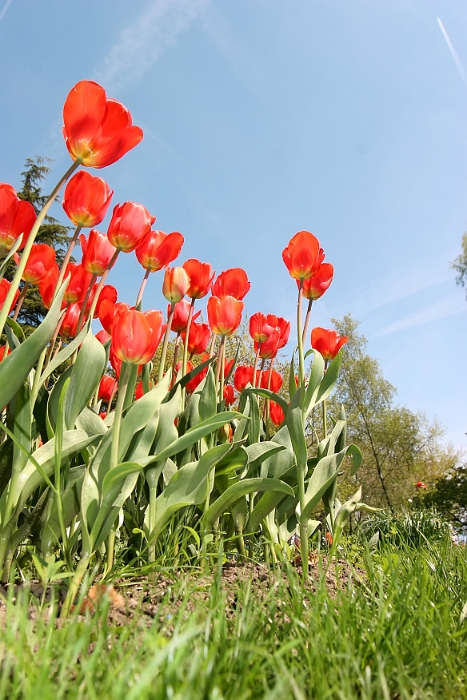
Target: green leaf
(292,383)
(21,412)
(295,424)
(266,394)
(236,491)
(208,397)
(85,377)
(329,379)
(16,366)
(17,330)
(259,452)
(181,383)
(64,354)
(316,376)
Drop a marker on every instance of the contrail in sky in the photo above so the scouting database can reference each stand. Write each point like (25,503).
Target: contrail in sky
(451,48)
(7,5)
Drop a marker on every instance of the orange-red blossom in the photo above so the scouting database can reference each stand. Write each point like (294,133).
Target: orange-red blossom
(136,335)
(303,255)
(86,199)
(327,342)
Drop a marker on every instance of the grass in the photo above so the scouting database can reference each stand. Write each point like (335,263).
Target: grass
(397,635)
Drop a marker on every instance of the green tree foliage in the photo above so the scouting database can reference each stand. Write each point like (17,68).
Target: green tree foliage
(399,447)
(51,232)
(460,264)
(449,495)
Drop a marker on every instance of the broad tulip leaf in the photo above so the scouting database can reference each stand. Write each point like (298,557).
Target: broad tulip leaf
(64,354)
(316,375)
(208,397)
(236,491)
(259,452)
(187,487)
(15,367)
(295,424)
(330,378)
(292,382)
(266,394)
(323,477)
(90,422)
(188,377)
(15,328)
(21,412)
(237,458)
(85,377)
(70,504)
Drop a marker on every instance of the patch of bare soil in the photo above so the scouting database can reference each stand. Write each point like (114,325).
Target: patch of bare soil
(144,601)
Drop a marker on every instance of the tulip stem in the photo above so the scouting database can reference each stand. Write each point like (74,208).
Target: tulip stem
(20,300)
(256,365)
(141,289)
(307,319)
(221,361)
(98,291)
(211,349)
(29,243)
(160,373)
(67,257)
(325,421)
(301,361)
(185,347)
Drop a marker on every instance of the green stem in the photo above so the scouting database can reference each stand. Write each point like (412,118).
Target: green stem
(67,257)
(95,298)
(20,301)
(301,360)
(221,361)
(325,421)
(160,373)
(303,525)
(307,319)
(256,365)
(75,584)
(29,243)
(122,386)
(185,347)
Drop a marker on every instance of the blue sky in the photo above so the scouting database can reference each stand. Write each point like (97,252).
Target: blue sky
(262,118)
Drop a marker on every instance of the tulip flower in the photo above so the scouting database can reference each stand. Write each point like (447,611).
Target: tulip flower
(229,395)
(227,367)
(276,413)
(109,293)
(315,286)
(69,324)
(86,199)
(108,312)
(98,130)
(327,342)
(175,285)
(269,348)
(40,261)
(16,217)
(201,276)
(232,283)
(272,380)
(224,314)
(4,289)
(139,391)
(180,317)
(78,284)
(198,338)
(48,284)
(157,249)
(420,485)
(243,376)
(303,255)
(107,388)
(259,328)
(129,224)
(97,251)
(196,381)
(282,325)
(102,336)
(135,336)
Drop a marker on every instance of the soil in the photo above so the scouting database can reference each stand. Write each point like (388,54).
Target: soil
(162,598)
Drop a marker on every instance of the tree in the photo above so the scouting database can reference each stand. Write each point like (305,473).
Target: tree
(449,495)
(460,264)
(51,232)
(399,446)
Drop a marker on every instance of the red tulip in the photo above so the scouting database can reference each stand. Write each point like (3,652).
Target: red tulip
(198,338)
(327,342)
(102,336)
(4,289)
(106,387)
(269,348)
(98,130)
(196,381)
(157,249)
(48,284)
(282,325)
(78,284)
(229,395)
(303,255)
(276,413)
(260,330)
(86,199)
(420,485)
(315,286)
(231,283)
(109,293)
(129,224)
(224,314)
(180,317)
(16,218)
(201,276)
(135,336)
(40,261)
(108,312)
(176,283)
(274,383)
(243,376)
(2,352)
(70,320)
(139,391)
(97,251)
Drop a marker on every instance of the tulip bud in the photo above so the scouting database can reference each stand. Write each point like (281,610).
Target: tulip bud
(176,283)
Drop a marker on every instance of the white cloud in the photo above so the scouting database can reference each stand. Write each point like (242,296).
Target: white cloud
(5,8)
(449,306)
(141,43)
